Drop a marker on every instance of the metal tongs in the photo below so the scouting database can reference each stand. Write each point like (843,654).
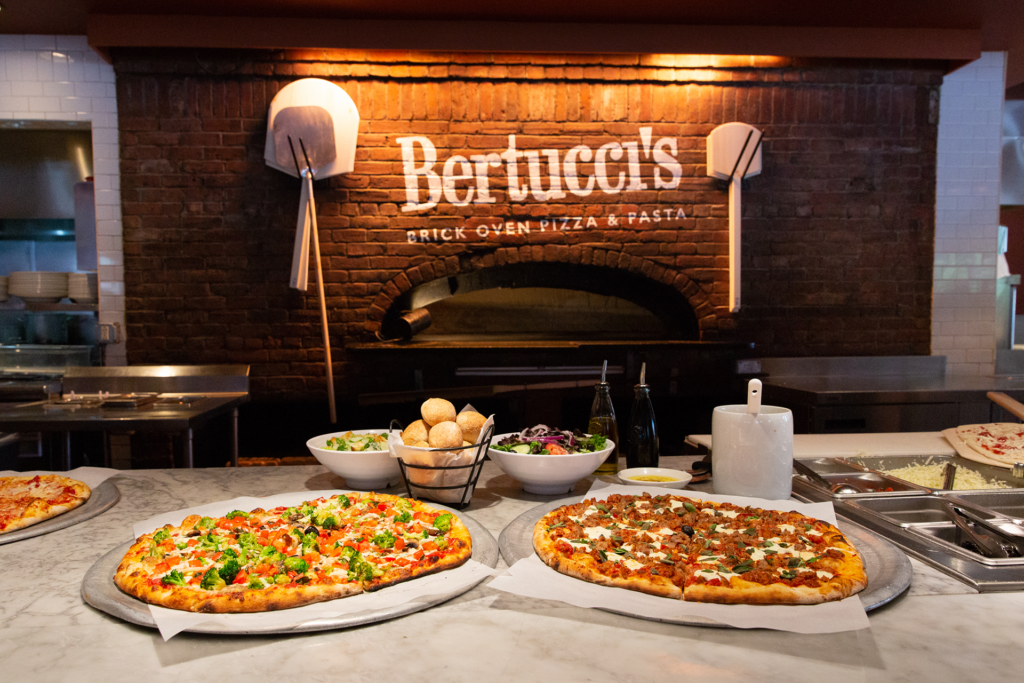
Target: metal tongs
(990,540)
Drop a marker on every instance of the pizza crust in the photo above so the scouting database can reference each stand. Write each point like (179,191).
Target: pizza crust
(25,501)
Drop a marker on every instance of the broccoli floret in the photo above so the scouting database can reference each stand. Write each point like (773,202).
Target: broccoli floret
(296,564)
(404,517)
(212,580)
(229,571)
(256,584)
(345,502)
(308,510)
(309,544)
(444,522)
(209,542)
(385,539)
(297,533)
(205,523)
(329,522)
(161,536)
(174,578)
(237,513)
(347,553)
(230,553)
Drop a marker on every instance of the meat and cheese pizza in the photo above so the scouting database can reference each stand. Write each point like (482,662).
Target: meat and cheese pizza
(688,549)
(291,556)
(25,501)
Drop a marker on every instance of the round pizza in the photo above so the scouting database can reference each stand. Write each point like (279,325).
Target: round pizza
(286,557)
(25,501)
(688,549)
(999,441)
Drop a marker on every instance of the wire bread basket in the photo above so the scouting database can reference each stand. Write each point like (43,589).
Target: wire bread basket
(443,475)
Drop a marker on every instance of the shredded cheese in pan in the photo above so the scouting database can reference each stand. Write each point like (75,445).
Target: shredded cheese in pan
(932,477)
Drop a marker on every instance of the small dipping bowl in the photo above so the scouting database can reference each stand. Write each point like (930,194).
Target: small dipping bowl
(677,478)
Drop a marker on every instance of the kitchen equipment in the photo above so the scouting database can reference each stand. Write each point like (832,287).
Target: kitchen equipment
(949,476)
(363,470)
(753,448)
(45,359)
(833,487)
(320,119)
(730,147)
(884,464)
(920,525)
(986,537)
(1010,405)
(131,401)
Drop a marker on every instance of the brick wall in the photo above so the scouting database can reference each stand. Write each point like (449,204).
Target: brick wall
(837,233)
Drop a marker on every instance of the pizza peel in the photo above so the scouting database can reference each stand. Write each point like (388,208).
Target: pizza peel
(311,133)
(734,153)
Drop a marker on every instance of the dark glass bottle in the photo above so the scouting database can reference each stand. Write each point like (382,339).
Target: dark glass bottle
(642,448)
(602,421)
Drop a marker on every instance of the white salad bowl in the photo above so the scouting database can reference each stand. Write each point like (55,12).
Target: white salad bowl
(364,470)
(547,474)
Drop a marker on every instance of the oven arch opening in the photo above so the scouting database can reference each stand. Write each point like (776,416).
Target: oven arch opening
(543,302)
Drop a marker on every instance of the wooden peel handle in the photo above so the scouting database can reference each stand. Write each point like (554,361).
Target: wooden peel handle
(1012,406)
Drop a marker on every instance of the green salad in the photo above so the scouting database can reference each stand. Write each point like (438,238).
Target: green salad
(350,441)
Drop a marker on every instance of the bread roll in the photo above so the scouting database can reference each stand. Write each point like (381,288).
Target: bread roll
(421,444)
(417,431)
(437,410)
(445,435)
(471,424)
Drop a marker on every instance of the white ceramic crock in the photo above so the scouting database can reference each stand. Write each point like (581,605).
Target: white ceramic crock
(752,454)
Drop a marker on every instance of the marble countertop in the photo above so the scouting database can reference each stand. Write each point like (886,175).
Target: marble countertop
(940,630)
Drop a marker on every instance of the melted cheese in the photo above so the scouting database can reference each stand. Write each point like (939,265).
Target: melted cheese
(788,528)
(595,532)
(633,564)
(658,556)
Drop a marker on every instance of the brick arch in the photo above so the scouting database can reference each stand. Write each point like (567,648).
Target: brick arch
(707,319)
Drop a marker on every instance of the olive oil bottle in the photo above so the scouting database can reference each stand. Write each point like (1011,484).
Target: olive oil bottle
(602,421)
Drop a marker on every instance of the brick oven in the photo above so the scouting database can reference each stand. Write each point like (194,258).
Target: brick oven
(837,239)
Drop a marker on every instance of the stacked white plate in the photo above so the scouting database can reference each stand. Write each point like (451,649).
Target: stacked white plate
(83,288)
(3,288)
(39,287)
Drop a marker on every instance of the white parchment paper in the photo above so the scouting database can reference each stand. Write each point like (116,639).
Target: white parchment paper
(530,577)
(171,621)
(90,476)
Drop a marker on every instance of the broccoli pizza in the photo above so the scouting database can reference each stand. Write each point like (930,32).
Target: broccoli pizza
(322,549)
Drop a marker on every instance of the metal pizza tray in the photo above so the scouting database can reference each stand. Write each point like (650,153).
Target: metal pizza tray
(100,591)
(103,497)
(889,570)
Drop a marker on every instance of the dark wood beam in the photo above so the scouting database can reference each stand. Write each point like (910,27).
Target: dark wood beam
(107,31)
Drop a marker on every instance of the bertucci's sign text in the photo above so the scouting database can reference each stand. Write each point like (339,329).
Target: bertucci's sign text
(540,175)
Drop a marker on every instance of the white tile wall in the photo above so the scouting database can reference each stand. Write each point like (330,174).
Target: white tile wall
(967,216)
(61,78)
